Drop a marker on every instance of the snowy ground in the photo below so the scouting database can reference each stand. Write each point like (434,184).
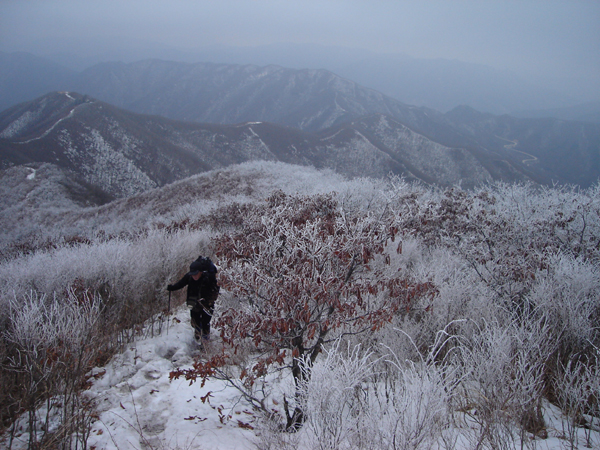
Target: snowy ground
(139,408)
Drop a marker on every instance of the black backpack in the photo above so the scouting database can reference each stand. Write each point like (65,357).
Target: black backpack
(204,265)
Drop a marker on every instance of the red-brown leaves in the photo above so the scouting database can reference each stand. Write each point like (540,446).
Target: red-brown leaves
(406,292)
(302,270)
(202,370)
(244,425)
(312,329)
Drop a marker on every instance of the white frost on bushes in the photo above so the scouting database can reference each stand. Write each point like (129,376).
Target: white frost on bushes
(486,377)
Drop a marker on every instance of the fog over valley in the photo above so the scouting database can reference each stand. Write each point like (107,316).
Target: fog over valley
(496,56)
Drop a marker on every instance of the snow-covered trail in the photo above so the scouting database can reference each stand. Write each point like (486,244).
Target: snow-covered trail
(45,133)
(140,408)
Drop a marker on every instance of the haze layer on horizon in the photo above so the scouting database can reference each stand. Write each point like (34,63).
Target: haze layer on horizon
(555,41)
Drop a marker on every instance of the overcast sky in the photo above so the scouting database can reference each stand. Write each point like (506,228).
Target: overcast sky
(521,35)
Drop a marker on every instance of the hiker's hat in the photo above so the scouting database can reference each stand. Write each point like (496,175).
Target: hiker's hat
(197,266)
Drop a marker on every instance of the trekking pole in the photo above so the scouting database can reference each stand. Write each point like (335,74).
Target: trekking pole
(168,313)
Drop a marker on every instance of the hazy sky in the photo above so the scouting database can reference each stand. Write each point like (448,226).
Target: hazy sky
(521,35)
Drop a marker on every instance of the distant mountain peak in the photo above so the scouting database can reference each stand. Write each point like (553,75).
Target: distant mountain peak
(224,114)
(31,120)
(124,153)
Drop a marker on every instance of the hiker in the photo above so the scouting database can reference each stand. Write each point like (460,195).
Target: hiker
(202,292)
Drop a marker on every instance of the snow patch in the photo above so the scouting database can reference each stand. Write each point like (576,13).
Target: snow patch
(262,144)
(109,168)
(19,124)
(333,135)
(137,403)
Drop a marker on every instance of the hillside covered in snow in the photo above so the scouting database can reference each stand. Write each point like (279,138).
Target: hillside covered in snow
(354,313)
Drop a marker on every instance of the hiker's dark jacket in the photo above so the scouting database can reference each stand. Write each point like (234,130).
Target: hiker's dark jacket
(201,294)
(205,289)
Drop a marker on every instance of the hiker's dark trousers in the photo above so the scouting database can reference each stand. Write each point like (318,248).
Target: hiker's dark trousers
(201,319)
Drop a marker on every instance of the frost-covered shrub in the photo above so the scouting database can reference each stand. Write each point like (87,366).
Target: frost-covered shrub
(354,400)
(510,270)
(567,294)
(51,343)
(336,400)
(504,383)
(504,254)
(131,275)
(458,294)
(128,277)
(578,394)
(505,232)
(302,269)
(415,410)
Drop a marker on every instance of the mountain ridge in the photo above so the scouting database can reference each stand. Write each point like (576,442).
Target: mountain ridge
(409,80)
(124,153)
(437,83)
(583,112)
(225,93)
(313,100)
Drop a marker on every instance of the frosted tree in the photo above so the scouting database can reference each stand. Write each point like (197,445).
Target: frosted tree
(302,269)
